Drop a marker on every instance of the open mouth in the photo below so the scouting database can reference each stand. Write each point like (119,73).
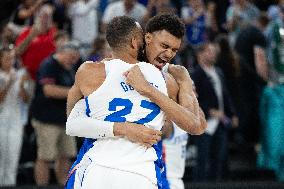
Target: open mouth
(161,62)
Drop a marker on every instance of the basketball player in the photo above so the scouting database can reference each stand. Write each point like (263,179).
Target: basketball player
(136,72)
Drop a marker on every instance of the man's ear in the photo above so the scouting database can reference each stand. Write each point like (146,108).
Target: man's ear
(148,38)
(134,44)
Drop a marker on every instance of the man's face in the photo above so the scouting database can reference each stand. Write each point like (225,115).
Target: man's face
(70,57)
(161,47)
(209,54)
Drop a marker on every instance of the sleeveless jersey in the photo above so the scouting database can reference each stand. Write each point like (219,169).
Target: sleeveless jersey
(175,152)
(115,101)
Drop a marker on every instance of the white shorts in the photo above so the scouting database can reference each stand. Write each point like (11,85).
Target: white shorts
(176,183)
(90,176)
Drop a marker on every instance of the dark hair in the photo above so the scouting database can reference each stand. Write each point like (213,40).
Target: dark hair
(169,22)
(120,30)
(71,45)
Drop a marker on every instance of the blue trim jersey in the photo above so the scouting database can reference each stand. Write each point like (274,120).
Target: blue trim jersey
(175,152)
(116,101)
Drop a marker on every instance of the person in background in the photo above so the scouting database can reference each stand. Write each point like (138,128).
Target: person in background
(194,16)
(24,14)
(220,116)
(129,8)
(251,46)
(36,42)
(55,77)
(239,15)
(100,50)
(13,94)
(85,24)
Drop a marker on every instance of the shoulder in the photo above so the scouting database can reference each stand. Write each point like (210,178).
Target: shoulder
(90,69)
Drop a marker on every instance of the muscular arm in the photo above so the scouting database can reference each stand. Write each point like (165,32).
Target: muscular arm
(79,124)
(186,113)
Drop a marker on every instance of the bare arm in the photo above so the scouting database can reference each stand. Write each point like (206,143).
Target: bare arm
(55,91)
(185,114)
(22,47)
(79,124)
(25,13)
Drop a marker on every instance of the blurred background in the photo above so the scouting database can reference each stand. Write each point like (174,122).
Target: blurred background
(244,39)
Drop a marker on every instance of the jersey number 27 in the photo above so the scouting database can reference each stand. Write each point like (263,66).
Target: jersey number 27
(119,116)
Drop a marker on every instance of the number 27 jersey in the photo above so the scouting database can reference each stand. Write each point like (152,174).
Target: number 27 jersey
(115,101)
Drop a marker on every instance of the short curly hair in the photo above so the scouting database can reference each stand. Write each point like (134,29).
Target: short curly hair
(120,30)
(169,22)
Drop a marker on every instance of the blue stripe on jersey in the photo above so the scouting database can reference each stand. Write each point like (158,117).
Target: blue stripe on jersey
(87,144)
(88,111)
(162,181)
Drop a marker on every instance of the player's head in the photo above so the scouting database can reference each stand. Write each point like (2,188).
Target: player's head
(163,38)
(124,34)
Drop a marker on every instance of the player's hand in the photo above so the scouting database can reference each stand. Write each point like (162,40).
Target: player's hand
(136,79)
(141,134)
(180,73)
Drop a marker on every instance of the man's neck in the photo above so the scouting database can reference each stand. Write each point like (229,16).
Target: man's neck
(124,56)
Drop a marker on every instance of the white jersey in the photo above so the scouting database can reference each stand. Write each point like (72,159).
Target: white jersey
(115,101)
(175,152)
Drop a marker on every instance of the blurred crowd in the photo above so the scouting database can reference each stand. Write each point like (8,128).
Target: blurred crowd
(233,50)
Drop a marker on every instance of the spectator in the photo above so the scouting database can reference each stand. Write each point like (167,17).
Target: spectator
(101,50)
(129,8)
(240,14)
(214,100)
(194,16)
(250,46)
(36,42)
(85,24)
(13,94)
(24,14)
(60,15)
(61,38)
(155,7)
(8,37)
(275,48)
(228,61)
(274,11)
(55,77)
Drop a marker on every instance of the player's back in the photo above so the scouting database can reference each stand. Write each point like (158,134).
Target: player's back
(115,101)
